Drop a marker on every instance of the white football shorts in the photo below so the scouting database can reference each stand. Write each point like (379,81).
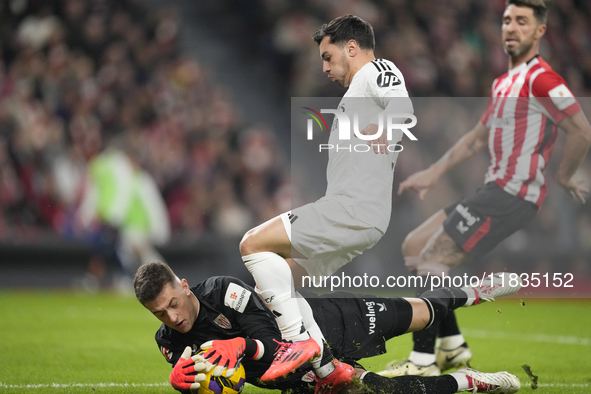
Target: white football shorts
(328,234)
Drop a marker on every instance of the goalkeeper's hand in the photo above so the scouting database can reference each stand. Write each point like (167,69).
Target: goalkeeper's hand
(224,355)
(183,375)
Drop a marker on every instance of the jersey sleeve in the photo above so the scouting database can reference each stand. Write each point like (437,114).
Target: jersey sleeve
(254,319)
(384,80)
(555,96)
(171,352)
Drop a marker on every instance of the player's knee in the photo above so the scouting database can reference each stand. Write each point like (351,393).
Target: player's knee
(438,308)
(411,245)
(247,244)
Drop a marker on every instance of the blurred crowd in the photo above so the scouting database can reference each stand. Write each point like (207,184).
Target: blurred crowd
(78,77)
(81,77)
(443,48)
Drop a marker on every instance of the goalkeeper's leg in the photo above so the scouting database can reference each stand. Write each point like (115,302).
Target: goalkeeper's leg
(461,380)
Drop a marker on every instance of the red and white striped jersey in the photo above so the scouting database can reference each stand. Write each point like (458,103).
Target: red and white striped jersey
(525,106)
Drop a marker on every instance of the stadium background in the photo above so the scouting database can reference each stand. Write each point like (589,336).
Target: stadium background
(199,92)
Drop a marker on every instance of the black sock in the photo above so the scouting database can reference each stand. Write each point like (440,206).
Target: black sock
(442,302)
(424,340)
(327,356)
(444,384)
(449,326)
(448,298)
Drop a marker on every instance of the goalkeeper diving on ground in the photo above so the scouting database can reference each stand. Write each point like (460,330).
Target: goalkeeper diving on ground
(223,316)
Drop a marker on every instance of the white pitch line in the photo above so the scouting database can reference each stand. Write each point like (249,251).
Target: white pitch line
(544,338)
(106,385)
(563,385)
(69,385)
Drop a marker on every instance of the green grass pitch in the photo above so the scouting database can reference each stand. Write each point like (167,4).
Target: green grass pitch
(67,342)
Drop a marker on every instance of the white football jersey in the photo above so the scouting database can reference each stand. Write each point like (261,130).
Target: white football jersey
(354,171)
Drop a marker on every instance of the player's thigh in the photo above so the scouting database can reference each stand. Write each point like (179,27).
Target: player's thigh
(416,240)
(328,228)
(271,236)
(360,324)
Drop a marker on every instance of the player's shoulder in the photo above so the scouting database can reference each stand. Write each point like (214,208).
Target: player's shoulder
(225,290)
(498,80)
(382,73)
(215,284)
(545,82)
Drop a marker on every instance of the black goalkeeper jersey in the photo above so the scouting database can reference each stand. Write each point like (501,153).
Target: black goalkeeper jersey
(355,326)
(229,308)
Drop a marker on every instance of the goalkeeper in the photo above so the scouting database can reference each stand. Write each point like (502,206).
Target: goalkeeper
(224,316)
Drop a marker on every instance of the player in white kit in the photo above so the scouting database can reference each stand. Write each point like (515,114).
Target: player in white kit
(320,237)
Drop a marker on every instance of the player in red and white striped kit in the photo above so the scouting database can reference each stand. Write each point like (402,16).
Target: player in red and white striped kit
(527,106)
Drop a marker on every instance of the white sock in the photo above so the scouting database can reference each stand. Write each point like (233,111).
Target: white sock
(462,380)
(451,342)
(322,371)
(309,322)
(471,293)
(274,286)
(412,262)
(422,359)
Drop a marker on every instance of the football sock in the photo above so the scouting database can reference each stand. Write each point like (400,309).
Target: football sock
(274,286)
(422,359)
(440,302)
(322,364)
(411,262)
(449,326)
(451,342)
(462,380)
(444,300)
(424,340)
(445,384)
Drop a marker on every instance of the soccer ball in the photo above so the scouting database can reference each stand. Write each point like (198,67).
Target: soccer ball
(221,384)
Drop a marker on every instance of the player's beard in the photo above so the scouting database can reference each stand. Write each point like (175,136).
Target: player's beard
(345,71)
(516,52)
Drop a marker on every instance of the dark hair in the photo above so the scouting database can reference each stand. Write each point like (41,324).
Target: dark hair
(539,7)
(345,28)
(150,279)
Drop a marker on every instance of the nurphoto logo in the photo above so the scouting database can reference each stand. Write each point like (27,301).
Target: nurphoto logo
(394,121)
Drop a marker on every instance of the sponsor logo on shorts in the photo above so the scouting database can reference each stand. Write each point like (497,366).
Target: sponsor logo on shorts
(462,228)
(237,297)
(292,218)
(222,321)
(468,217)
(371,315)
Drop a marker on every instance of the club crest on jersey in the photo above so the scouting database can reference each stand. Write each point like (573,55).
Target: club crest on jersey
(223,322)
(515,89)
(166,353)
(387,79)
(237,297)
